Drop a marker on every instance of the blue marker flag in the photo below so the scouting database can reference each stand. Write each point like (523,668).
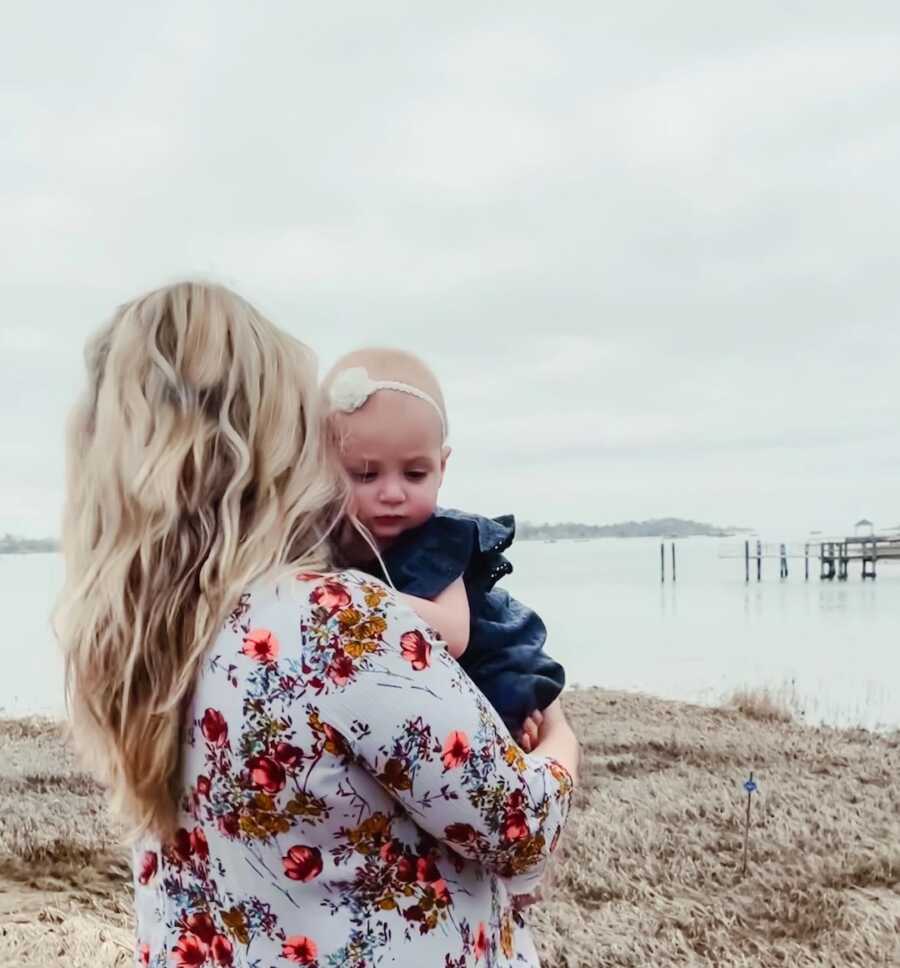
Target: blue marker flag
(750,786)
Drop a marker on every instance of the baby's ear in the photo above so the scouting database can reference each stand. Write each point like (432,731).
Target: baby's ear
(445,453)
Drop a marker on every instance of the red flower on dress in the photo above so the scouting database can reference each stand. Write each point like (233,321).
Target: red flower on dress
(229,824)
(190,952)
(214,727)
(144,954)
(414,913)
(181,846)
(222,950)
(201,925)
(149,867)
(199,845)
(261,645)
(266,773)
(340,671)
(460,833)
(456,749)
(302,863)
(288,755)
(390,852)
(416,650)
(406,869)
(481,942)
(300,949)
(426,871)
(515,826)
(330,595)
(203,786)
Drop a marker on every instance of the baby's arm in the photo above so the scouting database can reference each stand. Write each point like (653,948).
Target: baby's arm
(447,614)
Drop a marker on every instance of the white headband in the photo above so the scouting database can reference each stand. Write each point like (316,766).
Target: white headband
(352,387)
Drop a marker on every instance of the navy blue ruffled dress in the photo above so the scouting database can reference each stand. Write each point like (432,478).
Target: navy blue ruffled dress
(505,656)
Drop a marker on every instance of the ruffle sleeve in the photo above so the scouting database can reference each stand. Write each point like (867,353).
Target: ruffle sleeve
(451,544)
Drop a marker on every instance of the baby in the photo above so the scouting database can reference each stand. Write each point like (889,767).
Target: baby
(390,422)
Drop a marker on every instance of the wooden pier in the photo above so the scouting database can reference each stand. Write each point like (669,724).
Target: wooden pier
(834,555)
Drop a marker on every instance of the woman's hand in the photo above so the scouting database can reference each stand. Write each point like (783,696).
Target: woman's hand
(527,737)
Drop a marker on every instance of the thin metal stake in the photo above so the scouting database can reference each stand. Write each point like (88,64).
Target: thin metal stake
(750,787)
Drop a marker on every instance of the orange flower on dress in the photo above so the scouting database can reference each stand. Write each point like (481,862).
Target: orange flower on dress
(456,749)
(261,645)
(300,949)
(416,650)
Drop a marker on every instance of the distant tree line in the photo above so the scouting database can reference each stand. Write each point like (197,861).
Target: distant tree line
(655,528)
(11,544)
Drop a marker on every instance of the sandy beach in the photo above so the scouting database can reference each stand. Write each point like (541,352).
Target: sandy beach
(649,873)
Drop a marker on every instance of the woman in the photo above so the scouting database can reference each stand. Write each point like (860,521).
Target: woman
(308,777)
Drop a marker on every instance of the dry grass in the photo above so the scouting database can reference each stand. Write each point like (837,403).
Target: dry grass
(650,867)
(765,705)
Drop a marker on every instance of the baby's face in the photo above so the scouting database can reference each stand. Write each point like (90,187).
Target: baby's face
(392,448)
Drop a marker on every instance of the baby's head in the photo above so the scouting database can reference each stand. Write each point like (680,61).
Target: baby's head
(392,440)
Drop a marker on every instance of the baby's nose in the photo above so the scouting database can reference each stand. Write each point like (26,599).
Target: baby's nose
(392,493)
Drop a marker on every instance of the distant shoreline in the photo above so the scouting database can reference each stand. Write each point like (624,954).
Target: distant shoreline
(525,531)
(653,528)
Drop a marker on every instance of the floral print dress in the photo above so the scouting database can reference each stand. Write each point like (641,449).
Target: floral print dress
(349,798)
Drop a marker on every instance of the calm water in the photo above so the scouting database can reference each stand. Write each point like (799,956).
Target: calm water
(829,644)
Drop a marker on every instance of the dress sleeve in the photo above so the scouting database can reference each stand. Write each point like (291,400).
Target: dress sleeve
(417,723)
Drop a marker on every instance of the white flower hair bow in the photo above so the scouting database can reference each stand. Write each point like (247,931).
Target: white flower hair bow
(352,387)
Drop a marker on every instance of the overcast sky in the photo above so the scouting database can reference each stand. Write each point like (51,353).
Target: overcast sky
(651,249)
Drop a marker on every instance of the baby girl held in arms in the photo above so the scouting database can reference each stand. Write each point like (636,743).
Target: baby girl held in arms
(389,422)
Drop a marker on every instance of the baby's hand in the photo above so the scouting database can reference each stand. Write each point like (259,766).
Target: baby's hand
(527,737)
(522,901)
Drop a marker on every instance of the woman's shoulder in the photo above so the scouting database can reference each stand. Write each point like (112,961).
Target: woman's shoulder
(311,589)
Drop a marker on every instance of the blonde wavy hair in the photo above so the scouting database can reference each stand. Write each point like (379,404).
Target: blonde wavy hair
(196,464)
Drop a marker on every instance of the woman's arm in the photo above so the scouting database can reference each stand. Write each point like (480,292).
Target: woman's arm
(447,614)
(416,723)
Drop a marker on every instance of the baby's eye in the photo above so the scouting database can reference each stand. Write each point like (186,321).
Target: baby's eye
(416,475)
(363,477)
